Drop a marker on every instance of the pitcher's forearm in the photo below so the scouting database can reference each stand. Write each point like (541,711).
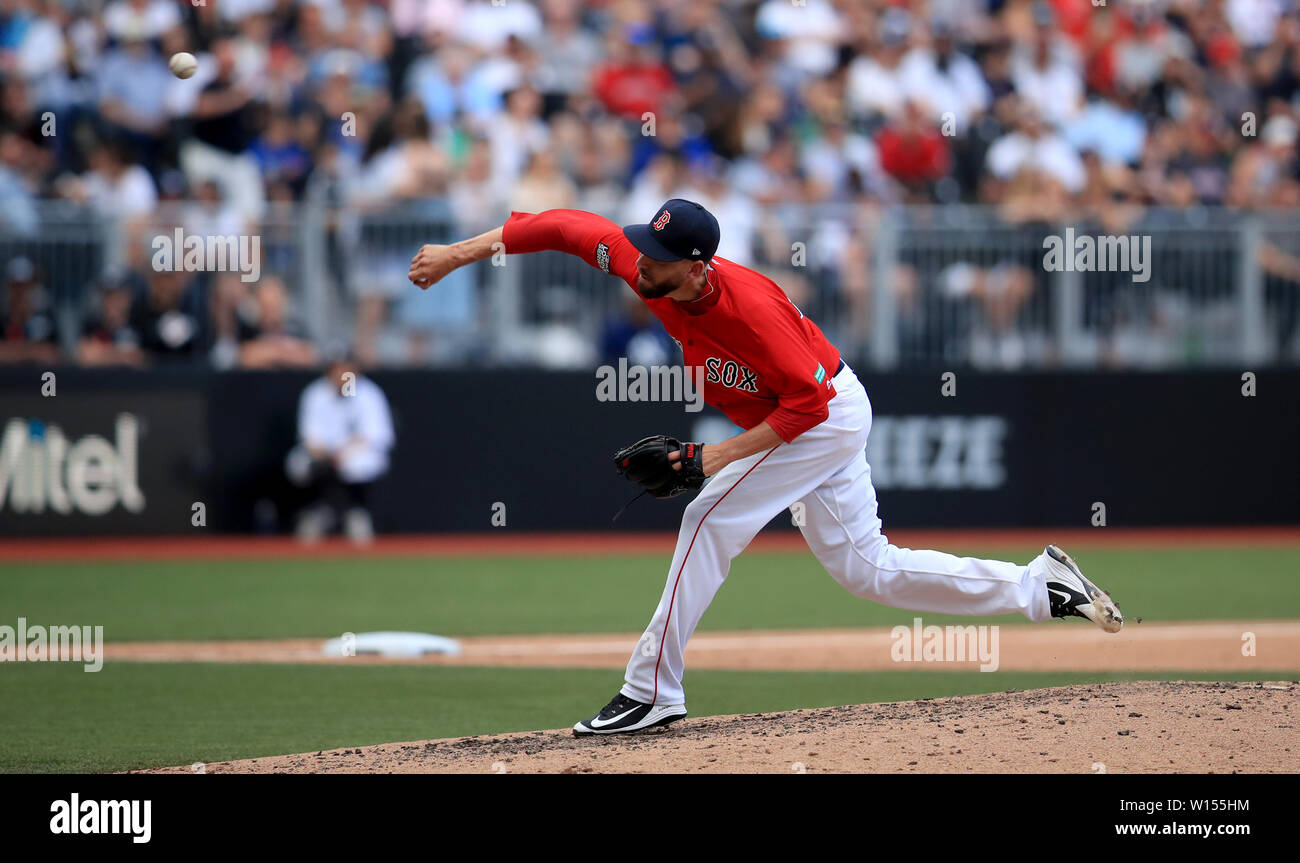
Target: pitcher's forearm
(761,437)
(477,248)
(571,231)
(433,262)
(715,456)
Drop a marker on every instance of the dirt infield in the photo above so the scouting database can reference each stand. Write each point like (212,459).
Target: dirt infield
(606,543)
(1139,727)
(1058,646)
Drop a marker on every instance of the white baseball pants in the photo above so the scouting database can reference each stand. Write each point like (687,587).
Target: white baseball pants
(826,469)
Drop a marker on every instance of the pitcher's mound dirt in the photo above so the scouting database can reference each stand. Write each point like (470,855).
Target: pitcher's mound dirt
(1137,727)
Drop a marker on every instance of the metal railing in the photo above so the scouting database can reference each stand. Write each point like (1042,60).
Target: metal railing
(909,287)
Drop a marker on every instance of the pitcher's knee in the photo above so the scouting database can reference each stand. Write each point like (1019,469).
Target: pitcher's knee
(699,527)
(859,584)
(857,566)
(696,510)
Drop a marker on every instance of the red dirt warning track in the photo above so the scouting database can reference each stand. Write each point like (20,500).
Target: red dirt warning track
(1059,646)
(607,543)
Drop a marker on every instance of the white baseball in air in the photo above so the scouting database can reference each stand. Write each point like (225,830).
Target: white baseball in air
(183,64)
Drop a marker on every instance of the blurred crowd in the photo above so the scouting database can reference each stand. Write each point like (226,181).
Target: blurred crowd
(457,111)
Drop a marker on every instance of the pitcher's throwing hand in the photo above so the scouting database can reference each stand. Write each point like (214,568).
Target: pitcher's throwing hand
(431,264)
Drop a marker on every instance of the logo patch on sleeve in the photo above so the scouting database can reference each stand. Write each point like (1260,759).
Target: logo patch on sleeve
(602,256)
(821,374)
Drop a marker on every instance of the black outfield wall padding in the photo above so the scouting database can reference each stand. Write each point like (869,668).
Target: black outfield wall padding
(135,452)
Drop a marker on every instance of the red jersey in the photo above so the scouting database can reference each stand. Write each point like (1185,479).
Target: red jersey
(762,359)
(631,90)
(912,159)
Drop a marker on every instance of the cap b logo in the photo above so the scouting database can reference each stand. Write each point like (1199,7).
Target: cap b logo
(662,220)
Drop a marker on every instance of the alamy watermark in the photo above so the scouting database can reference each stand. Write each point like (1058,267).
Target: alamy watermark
(23,643)
(212,253)
(1106,253)
(636,383)
(919,643)
(132,818)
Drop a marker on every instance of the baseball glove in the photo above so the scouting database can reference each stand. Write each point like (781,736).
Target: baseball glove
(646,464)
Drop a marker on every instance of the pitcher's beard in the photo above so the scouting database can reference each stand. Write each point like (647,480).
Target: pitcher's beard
(654,290)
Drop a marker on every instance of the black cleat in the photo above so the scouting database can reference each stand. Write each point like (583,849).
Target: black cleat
(624,714)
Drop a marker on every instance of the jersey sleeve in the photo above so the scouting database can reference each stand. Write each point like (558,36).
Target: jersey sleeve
(802,383)
(595,239)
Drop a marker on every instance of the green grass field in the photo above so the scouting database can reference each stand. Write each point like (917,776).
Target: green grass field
(510,595)
(58,718)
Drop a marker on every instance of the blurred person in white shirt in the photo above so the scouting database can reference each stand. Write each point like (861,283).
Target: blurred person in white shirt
(569,52)
(874,86)
(1047,73)
(36,52)
(345,433)
(1254,21)
(116,185)
(807,33)
(418,18)
(1034,148)
(945,80)
(487,26)
(141,19)
(515,135)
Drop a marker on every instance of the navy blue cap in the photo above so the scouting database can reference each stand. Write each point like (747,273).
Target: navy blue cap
(680,231)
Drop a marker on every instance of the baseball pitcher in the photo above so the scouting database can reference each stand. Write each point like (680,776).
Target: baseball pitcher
(807,417)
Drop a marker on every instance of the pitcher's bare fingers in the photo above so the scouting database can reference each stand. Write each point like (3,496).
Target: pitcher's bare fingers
(416,272)
(428,266)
